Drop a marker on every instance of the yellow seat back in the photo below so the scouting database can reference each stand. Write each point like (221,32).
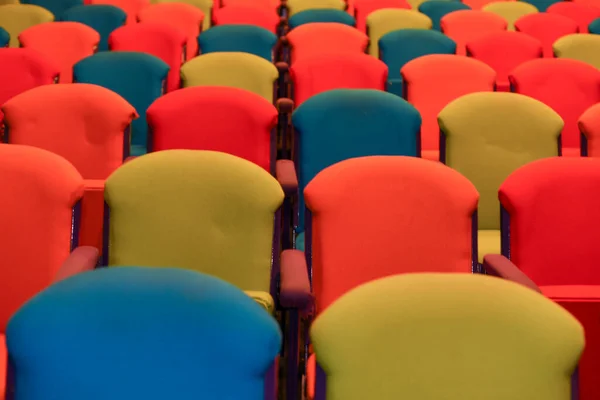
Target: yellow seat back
(387,20)
(296,6)
(15,18)
(511,11)
(579,46)
(205,5)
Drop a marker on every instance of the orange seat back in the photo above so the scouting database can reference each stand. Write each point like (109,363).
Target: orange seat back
(247,15)
(547,28)
(582,13)
(464,26)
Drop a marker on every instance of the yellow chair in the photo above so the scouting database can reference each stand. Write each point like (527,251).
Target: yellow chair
(240,70)
(580,46)
(488,136)
(4,2)
(205,6)
(445,336)
(387,20)
(15,18)
(296,6)
(511,11)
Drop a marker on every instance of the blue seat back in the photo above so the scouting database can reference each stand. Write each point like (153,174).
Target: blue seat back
(321,15)
(346,123)
(124,333)
(137,77)
(594,26)
(56,7)
(241,38)
(4,37)
(102,18)
(399,47)
(436,9)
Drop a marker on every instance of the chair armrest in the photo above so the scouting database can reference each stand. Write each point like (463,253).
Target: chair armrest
(82,259)
(294,286)
(502,267)
(285,172)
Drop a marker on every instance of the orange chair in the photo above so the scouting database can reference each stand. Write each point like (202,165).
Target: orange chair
(313,75)
(547,28)
(131,7)
(362,9)
(40,216)
(589,125)
(185,17)
(551,225)
(86,124)
(433,81)
(466,25)
(248,15)
(324,38)
(567,86)
(266,4)
(582,13)
(504,51)
(160,40)
(65,43)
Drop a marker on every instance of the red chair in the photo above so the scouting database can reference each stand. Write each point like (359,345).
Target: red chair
(160,40)
(464,26)
(582,13)
(40,217)
(589,125)
(266,4)
(65,43)
(311,76)
(433,81)
(362,9)
(550,230)
(131,7)
(567,86)
(247,15)
(547,28)
(504,51)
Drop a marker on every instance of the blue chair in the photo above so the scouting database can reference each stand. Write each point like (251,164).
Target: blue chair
(102,18)
(321,15)
(436,9)
(399,47)
(238,38)
(56,7)
(4,37)
(143,333)
(137,77)
(594,26)
(345,123)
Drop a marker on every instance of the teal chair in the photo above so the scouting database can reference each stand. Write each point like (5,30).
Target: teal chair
(125,333)
(102,18)
(321,15)
(436,9)
(401,46)
(238,38)
(56,7)
(346,123)
(594,26)
(4,37)
(137,77)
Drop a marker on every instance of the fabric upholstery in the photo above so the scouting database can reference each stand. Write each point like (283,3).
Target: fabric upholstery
(594,26)
(231,69)
(57,8)
(488,242)
(399,47)
(4,37)
(311,76)
(160,40)
(15,18)
(582,47)
(81,122)
(131,7)
(64,43)
(321,15)
(582,13)
(200,210)
(511,11)
(225,119)
(478,5)
(182,16)
(433,81)
(345,123)
(505,51)
(3,363)
(519,344)
(247,15)
(363,8)
(589,125)
(415,4)
(464,26)
(547,28)
(436,9)
(137,77)
(330,36)
(265,4)
(296,6)
(388,20)
(568,86)
(102,18)
(144,333)
(489,135)
(205,6)
(408,215)
(39,191)
(241,38)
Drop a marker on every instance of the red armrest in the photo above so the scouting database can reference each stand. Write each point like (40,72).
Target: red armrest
(295,287)
(285,172)
(502,267)
(82,259)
